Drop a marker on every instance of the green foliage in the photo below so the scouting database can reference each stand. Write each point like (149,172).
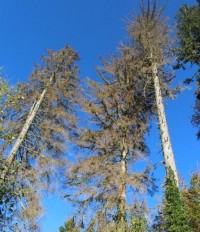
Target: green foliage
(70,226)
(4,91)
(138,218)
(10,193)
(196,115)
(10,190)
(10,96)
(191,198)
(188,27)
(174,210)
(159,222)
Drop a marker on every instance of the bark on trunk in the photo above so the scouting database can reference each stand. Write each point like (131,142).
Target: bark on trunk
(164,133)
(122,200)
(30,118)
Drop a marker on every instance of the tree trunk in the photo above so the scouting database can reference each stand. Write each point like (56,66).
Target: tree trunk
(164,133)
(122,199)
(30,118)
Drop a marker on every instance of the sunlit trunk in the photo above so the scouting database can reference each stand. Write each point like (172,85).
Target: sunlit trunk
(30,118)
(122,197)
(164,133)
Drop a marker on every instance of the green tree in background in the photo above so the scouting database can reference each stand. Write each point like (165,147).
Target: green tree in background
(191,198)
(138,218)
(159,223)
(188,32)
(196,115)
(70,226)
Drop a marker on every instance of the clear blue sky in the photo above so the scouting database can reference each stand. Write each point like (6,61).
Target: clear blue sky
(93,28)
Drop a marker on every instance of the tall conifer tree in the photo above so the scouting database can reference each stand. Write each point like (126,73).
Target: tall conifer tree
(42,121)
(119,115)
(150,35)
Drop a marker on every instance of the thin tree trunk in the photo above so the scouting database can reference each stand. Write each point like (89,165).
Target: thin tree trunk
(30,118)
(164,133)
(122,200)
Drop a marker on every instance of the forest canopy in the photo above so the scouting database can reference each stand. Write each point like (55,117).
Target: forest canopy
(87,139)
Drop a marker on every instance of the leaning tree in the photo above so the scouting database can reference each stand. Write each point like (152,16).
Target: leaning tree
(40,122)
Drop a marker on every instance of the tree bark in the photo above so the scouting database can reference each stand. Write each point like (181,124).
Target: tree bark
(164,133)
(122,199)
(30,118)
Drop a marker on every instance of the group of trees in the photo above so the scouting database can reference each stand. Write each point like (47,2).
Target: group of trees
(40,120)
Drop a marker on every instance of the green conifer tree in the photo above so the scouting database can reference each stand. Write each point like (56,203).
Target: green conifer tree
(188,32)
(70,226)
(174,210)
(191,198)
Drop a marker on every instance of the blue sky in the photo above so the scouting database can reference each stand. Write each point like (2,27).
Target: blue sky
(93,28)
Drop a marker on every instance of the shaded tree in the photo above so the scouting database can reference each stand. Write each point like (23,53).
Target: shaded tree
(196,115)
(159,223)
(191,198)
(188,32)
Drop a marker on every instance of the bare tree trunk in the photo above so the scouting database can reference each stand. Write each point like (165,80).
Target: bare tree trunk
(164,133)
(31,116)
(122,200)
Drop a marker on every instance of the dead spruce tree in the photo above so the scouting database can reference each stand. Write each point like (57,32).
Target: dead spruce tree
(101,181)
(150,34)
(42,122)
